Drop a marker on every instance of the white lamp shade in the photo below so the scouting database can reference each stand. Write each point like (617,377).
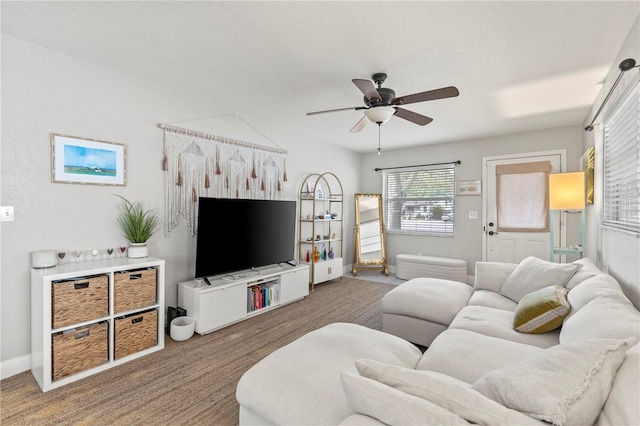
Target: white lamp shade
(379,114)
(566,191)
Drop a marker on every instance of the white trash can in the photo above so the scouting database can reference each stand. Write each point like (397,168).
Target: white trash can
(182,328)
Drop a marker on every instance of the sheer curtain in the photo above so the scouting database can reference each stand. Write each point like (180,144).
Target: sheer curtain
(523,197)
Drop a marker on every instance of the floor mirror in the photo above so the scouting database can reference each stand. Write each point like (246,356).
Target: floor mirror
(369,246)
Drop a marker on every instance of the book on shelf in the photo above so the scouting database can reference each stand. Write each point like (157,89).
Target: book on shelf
(262,295)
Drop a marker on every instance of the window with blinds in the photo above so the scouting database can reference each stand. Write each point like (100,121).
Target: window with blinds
(419,201)
(621,206)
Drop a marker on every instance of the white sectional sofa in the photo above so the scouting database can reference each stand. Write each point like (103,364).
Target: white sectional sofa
(477,369)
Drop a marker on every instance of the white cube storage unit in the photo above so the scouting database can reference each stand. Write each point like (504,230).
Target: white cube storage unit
(78,328)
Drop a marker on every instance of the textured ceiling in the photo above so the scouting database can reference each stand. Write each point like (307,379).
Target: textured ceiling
(519,66)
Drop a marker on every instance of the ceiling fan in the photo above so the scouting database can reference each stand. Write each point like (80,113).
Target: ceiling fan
(381,102)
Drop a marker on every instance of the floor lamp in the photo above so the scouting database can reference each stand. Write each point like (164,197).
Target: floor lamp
(566,194)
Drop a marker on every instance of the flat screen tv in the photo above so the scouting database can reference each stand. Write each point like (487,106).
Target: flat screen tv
(236,235)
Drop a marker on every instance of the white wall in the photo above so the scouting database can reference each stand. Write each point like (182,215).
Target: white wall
(467,240)
(44,92)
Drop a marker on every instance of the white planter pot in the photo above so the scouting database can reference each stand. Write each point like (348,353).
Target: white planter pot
(137,250)
(182,328)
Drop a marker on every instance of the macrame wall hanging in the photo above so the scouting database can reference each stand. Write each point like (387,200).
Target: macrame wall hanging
(202,165)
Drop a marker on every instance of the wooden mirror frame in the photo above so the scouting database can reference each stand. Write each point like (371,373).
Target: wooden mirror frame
(359,262)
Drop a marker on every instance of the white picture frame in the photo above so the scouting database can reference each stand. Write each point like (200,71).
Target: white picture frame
(87,161)
(469,187)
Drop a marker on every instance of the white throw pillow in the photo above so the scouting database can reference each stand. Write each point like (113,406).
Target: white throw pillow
(587,270)
(590,289)
(565,384)
(533,274)
(492,275)
(447,392)
(391,406)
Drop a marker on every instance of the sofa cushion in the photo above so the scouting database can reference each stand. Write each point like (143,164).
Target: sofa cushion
(587,270)
(533,274)
(590,289)
(430,299)
(391,406)
(566,384)
(416,330)
(499,323)
(610,316)
(492,275)
(360,420)
(444,391)
(492,299)
(542,311)
(622,406)
(316,360)
(467,356)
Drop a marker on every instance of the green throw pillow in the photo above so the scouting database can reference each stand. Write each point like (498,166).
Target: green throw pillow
(542,311)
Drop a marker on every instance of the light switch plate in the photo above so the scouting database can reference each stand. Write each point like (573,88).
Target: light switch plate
(6,214)
(473,214)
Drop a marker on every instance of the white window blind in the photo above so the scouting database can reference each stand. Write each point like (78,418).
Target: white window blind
(419,201)
(621,206)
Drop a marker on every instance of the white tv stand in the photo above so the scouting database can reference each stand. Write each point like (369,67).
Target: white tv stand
(227,301)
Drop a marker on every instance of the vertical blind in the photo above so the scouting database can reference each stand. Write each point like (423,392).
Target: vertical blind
(420,200)
(621,206)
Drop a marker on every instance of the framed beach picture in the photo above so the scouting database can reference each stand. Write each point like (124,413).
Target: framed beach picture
(87,161)
(469,187)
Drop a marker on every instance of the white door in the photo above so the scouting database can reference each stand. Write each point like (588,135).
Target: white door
(512,247)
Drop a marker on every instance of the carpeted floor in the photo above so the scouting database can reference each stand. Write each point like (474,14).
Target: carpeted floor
(191,382)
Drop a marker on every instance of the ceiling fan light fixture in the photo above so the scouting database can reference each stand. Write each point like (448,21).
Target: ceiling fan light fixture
(380,114)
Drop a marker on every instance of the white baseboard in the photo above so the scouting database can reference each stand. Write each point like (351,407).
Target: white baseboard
(14,366)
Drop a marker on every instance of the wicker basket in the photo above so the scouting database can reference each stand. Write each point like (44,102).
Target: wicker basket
(134,289)
(79,300)
(135,333)
(79,349)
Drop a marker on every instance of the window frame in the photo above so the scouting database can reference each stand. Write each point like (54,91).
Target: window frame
(394,215)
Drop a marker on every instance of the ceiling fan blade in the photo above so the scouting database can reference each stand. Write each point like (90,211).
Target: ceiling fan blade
(430,95)
(414,117)
(359,125)
(367,87)
(338,109)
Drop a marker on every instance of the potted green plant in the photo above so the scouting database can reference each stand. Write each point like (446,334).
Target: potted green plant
(138,225)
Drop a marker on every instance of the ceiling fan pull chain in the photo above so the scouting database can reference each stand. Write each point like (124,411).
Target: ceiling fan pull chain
(379,138)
